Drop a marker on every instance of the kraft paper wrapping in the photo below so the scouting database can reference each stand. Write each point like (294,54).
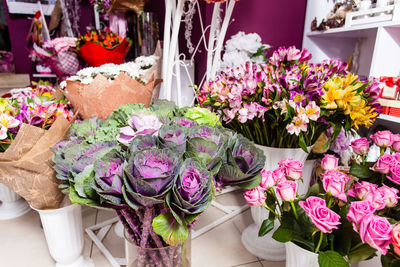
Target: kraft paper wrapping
(101,97)
(136,5)
(26,166)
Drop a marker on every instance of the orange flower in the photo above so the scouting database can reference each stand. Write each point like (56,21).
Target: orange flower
(109,45)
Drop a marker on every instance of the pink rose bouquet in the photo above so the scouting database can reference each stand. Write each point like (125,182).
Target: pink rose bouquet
(349,219)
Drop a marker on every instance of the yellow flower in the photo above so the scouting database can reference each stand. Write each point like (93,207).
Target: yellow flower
(349,99)
(333,92)
(363,115)
(49,95)
(350,78)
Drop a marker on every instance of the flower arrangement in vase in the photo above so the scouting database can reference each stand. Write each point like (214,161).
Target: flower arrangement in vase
(288,102)
(341,220)
(158,168)
(101,47)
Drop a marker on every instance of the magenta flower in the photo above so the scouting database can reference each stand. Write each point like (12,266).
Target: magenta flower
(376,232)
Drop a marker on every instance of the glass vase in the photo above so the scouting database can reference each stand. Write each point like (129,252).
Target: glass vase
(147,34)
(170,256)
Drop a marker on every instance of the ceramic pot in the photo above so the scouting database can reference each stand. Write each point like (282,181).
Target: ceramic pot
(299,257)
(12,205)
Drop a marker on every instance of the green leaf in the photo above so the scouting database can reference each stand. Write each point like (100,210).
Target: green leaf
(266,227)
(389,261)
(314,190)
(302,142)
(361,253)
(283,235)
(331,258)
(253,183)
(75,198)
(361,171)
(169,229)
(83,179)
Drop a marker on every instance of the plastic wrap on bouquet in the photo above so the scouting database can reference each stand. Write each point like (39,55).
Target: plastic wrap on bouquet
(96,55)
(101,97)
(26,166)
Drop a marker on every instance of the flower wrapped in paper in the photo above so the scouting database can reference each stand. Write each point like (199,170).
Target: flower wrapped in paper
(98,91)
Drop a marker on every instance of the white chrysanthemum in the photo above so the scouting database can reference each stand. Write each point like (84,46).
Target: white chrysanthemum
(246,42)
(234,58)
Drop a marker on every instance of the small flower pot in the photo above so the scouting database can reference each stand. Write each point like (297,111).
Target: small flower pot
(64,235)
(170,256)
(12,205)
(299,257)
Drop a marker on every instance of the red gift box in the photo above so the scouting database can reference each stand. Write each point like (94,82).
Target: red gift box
(96,55)
(390,86)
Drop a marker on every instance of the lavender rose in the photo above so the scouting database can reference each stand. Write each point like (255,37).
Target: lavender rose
(334,182)
(255,196)
(360,146)
(383,138)
(359,211)
(329,162)
(384,163)
(321,216)
(149,175)
(293,168)
(377,232)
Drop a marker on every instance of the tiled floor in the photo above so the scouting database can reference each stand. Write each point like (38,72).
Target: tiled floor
(22,243)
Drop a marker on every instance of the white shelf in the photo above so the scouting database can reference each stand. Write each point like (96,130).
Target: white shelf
(389,118)
(28,8)
(358,31)
(37,75)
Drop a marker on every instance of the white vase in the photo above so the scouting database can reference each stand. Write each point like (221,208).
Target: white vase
(64,235)
(308,170)
(266,247)
(299,257)
(12,205)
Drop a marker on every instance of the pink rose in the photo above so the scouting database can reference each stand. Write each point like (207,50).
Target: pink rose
(360,146)
(286,190)
(360,190)
(279,174)
(397,158)
(384,163)
(396,239)
(394,174)
(329,162)
(255,196)
(396,142)
(334,182)
(383,138)
(390,195)
(322,217)
(377,232)
(359,211)
(312,202)
(267,180)
(294,168)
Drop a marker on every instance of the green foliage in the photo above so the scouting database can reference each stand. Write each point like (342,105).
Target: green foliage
(266,227)
(331,258)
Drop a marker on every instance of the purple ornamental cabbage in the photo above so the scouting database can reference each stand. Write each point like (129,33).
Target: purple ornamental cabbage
(141,142)
(108,175)
(209,144)
(149,176)
(173,137)
(192,193)
(184,122)
(139,124)
(244,164)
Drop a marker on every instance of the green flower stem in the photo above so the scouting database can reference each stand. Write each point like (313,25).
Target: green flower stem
(356,246)
(382,151)
(266,134)
(329,200)
(273,212)
(294,210)
(382,178)
(363,160)
(321,237)
(271,190)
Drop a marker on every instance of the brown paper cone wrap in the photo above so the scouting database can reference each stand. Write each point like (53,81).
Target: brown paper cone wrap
(101,97)
(26,166)
(136,5)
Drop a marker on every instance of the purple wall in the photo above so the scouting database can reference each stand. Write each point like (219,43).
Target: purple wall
(279,23)
(18,26)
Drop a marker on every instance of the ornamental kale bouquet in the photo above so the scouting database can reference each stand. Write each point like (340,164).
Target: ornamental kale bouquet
(288,102)
(158,167)
(378,180)
(342,220)
(34,105)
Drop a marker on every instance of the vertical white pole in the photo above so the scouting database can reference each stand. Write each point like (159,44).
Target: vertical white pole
(211,38)
(46,30)
(173,46)
(96,17)
(66,19)
(221,37)
(167,40)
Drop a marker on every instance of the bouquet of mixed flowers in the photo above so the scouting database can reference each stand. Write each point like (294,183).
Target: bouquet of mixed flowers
(288,102)
(34,106)
(341,219)
(101,5)
(6,61)
(32,120)
(158,167)
(98,91)
(58,54)
(101,47)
